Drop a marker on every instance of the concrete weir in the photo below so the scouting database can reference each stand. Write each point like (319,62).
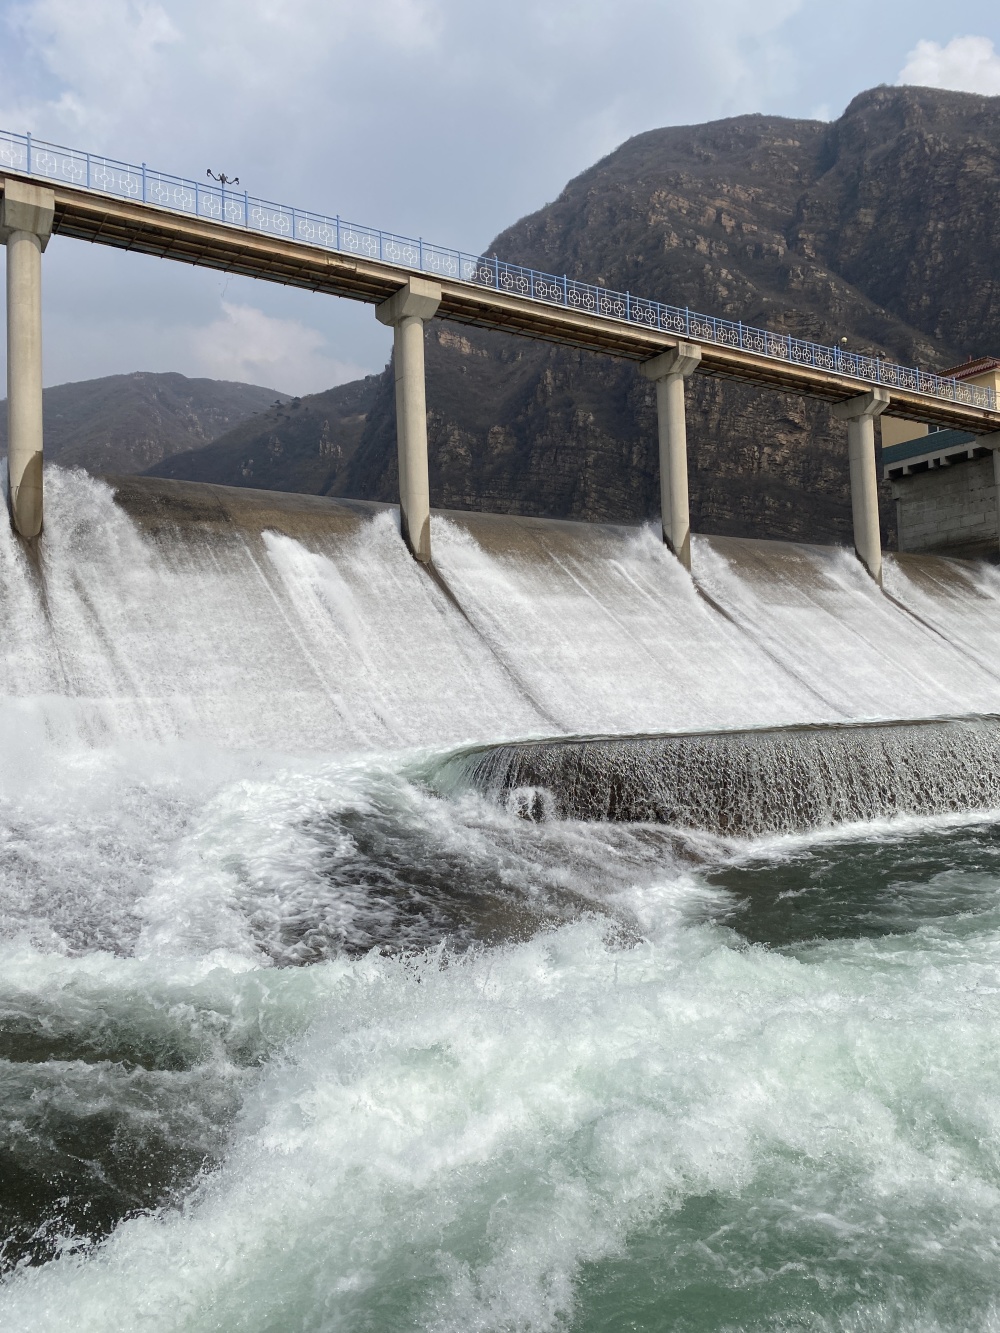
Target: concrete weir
(160,506)
(185,602)
(747,783)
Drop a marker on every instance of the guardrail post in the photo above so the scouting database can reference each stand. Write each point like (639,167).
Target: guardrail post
(860,414)
(668,371)
(26,214)
(406,313)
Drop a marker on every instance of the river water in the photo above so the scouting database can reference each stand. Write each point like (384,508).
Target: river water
(302,1027)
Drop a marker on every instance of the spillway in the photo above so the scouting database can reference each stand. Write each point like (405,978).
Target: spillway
(303,1023)
(243,619)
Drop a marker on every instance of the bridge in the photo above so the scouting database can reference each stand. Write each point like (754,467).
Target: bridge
(49,189)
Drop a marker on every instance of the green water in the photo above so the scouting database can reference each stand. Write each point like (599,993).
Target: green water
(890,1226)
(865,885)
(699,1087)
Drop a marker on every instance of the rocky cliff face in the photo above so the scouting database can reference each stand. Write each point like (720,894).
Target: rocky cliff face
(877,227)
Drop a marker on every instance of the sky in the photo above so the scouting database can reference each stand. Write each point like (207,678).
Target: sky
(447,119)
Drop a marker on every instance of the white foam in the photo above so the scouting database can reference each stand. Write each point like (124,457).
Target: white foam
(448,1143)
(443,1141)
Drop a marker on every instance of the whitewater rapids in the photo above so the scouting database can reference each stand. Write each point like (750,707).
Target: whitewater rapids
(297,1034)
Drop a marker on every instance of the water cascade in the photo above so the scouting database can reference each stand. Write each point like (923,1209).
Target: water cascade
(748,783)
(304,1025)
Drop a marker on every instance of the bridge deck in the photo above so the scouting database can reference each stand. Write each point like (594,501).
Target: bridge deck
(148,229)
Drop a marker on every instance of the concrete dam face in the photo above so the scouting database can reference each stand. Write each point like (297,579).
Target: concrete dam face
(169,611)
(497,945)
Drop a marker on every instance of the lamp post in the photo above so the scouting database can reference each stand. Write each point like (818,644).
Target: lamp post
(223,180)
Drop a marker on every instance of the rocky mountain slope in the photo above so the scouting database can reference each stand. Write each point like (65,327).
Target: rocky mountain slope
(125,423)
(877,227)
(303,444)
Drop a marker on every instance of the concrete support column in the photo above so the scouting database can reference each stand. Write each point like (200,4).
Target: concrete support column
(860,414)
(26,213)
(669,370)
(407,311)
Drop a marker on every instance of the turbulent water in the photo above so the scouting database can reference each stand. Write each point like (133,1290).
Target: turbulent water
(301,1028)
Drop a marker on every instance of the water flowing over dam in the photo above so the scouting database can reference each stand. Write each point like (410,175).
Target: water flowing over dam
(745,783)
(548,939)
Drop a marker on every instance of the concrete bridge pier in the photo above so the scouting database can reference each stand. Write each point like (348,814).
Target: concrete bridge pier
(860,414)
(668,371)
(407,311)
(26,213)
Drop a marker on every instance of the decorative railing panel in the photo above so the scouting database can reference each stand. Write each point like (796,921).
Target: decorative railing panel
(124,180)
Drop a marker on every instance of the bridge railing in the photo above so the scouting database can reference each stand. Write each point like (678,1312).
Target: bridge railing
(236,208)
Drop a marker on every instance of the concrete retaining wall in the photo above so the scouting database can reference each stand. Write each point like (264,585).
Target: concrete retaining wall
(951,510)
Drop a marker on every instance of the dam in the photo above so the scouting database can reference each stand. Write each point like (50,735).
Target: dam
(330,998)
(207,599)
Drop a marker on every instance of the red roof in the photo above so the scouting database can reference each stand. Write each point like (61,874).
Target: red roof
(970,368)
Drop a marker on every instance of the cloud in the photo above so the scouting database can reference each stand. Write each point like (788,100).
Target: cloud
(965,64)
(441,118)
(70,51)
(249,346)
(382,109)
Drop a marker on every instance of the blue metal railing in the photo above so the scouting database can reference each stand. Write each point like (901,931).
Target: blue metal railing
(236,208)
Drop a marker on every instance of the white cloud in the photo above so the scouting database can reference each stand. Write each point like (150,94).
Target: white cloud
(965,64)
(255,348)
(95,60)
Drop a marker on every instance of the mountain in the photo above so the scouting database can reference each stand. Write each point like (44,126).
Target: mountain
(124,423)
(876,227)
(300,445)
